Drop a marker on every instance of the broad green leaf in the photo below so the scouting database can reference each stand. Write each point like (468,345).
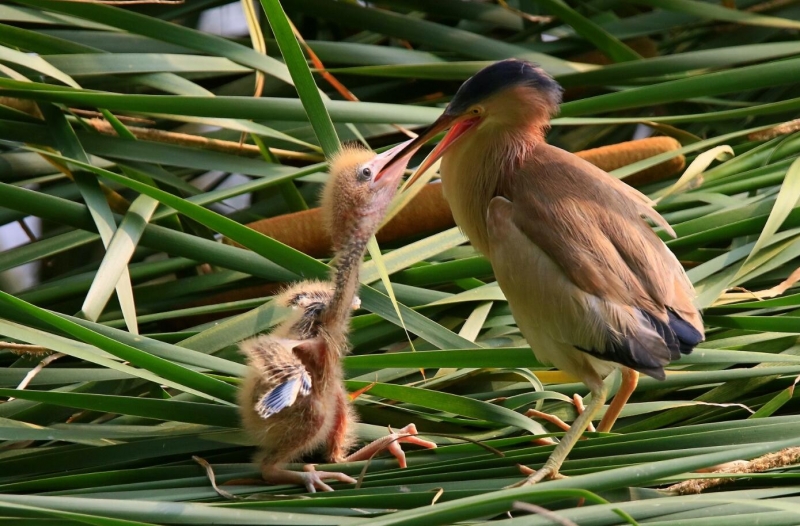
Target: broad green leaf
(303,81)
(177,411)
(784,205)
(449,403)
(35,63)
(169,370)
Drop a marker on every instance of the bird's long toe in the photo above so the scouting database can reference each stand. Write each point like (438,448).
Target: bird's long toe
(577,401)
(406,435)
(391,443)
(314,480)
(536,475)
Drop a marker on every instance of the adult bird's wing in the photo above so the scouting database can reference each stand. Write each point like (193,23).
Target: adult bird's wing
(607,284)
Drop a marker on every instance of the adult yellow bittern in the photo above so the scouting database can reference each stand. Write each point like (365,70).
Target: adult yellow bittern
(293,400)
(589,283)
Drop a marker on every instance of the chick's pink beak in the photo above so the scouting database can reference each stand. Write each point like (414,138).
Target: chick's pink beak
(392,174)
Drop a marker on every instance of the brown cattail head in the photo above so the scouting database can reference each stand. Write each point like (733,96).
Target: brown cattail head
(616,156)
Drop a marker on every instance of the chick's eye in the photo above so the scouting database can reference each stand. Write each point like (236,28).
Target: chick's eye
(297,299)
(364,173)
(476,111)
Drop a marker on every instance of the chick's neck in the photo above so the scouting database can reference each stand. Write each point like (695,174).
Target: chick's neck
(336,319)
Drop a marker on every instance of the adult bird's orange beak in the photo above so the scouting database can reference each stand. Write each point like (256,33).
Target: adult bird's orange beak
(458,126)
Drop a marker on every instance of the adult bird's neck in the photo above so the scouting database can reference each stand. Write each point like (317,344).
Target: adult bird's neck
(473,170)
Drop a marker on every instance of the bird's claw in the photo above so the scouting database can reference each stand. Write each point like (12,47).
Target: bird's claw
(406,435)
(391,443)
(577,401)
(536,475)
(314,480)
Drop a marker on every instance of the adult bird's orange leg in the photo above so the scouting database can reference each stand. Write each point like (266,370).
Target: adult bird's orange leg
(309,477)
(391,443)
(559,454)
(630,379)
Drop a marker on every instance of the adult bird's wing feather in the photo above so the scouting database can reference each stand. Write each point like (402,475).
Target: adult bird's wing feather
(628,299)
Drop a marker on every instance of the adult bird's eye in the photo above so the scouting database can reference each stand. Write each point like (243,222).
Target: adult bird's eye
(364,173)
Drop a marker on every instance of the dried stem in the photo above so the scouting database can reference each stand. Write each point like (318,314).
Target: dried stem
(196,141)
(544,512)
(21,349)
(36,370)
(784,457)
(781,129)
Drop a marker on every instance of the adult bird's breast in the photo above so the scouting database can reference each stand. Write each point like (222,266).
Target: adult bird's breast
(469,181)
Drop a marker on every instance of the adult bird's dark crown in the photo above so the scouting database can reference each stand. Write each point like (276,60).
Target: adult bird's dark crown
(503,75)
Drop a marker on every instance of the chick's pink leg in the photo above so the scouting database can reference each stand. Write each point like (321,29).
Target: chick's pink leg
(340,438)
(391,443)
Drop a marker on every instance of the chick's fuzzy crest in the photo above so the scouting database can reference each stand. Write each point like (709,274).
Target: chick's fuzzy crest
(345,198)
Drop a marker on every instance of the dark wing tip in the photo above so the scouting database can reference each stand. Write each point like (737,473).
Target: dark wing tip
(688,336)
(653,345)
(647,357)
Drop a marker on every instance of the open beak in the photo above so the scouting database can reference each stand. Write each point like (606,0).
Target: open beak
(390,165)
(457,129)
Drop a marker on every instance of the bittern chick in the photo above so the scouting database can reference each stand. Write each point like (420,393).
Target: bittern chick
(354,203)
(294,399)
(589,283)
(283,401)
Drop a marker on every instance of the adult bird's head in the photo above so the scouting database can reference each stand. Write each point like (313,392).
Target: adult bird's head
(359,190)
(509,101)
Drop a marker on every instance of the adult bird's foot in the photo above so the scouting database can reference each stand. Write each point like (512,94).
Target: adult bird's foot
(577,401)
(536,475)
(312,479)
(391,443)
